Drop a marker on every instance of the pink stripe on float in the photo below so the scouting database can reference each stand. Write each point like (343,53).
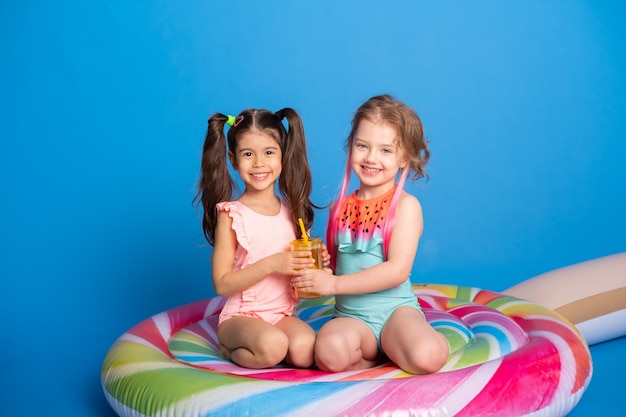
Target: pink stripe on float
(149,331)
(443,391)
(552,328)
(515,386)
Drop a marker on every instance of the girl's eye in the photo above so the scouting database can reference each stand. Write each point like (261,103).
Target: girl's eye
(386,150)
(247,154)
(361,146)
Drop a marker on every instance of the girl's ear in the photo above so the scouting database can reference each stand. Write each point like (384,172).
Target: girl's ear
(405,161)
(233,160)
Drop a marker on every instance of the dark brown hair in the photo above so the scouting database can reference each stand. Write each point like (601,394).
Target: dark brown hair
(216,184)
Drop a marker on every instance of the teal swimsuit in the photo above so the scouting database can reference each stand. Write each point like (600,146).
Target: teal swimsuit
(359,244)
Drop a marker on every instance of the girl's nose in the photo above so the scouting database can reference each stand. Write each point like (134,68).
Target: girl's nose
(370,156)
(258,162)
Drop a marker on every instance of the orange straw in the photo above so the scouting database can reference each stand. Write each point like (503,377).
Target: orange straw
(304,236)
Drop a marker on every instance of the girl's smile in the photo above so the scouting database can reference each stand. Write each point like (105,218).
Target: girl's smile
(370,171)
(260,177)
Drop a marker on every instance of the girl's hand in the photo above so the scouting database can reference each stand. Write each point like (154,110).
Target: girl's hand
(290,263)
(320,281)
(325,256)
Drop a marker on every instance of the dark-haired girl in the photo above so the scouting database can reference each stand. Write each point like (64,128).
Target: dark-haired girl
(252,262)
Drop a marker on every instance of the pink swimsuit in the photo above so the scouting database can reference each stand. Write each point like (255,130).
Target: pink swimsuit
(258,237)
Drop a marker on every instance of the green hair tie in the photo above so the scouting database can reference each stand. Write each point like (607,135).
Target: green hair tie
(234,121)
(231,120)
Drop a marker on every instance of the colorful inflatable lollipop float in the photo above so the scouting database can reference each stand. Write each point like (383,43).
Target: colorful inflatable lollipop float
(508,356)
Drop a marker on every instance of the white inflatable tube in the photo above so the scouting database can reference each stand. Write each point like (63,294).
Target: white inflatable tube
(591,295)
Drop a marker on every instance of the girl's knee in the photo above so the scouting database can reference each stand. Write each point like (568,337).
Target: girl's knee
(429,356)
(332,354)
(301,350)
(272,348)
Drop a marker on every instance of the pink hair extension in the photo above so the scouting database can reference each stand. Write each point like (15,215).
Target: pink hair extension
(333,219)
(391,216)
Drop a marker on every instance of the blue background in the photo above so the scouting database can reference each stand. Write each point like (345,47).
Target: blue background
(104,108)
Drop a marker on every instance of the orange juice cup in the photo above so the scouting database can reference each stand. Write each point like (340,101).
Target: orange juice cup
(314,245)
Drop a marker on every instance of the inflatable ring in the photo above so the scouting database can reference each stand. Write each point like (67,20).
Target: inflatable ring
(507,357)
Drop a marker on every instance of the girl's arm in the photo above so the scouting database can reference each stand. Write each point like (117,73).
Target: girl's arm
(391,273)
(227,282)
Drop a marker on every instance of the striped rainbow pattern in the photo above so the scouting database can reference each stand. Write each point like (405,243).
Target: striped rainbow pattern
(508,357)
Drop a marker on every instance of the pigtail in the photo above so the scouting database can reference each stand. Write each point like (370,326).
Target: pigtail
(295,182)
(393,209)
(215,184)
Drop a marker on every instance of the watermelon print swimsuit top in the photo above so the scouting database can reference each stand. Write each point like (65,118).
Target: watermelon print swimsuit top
(359,243)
